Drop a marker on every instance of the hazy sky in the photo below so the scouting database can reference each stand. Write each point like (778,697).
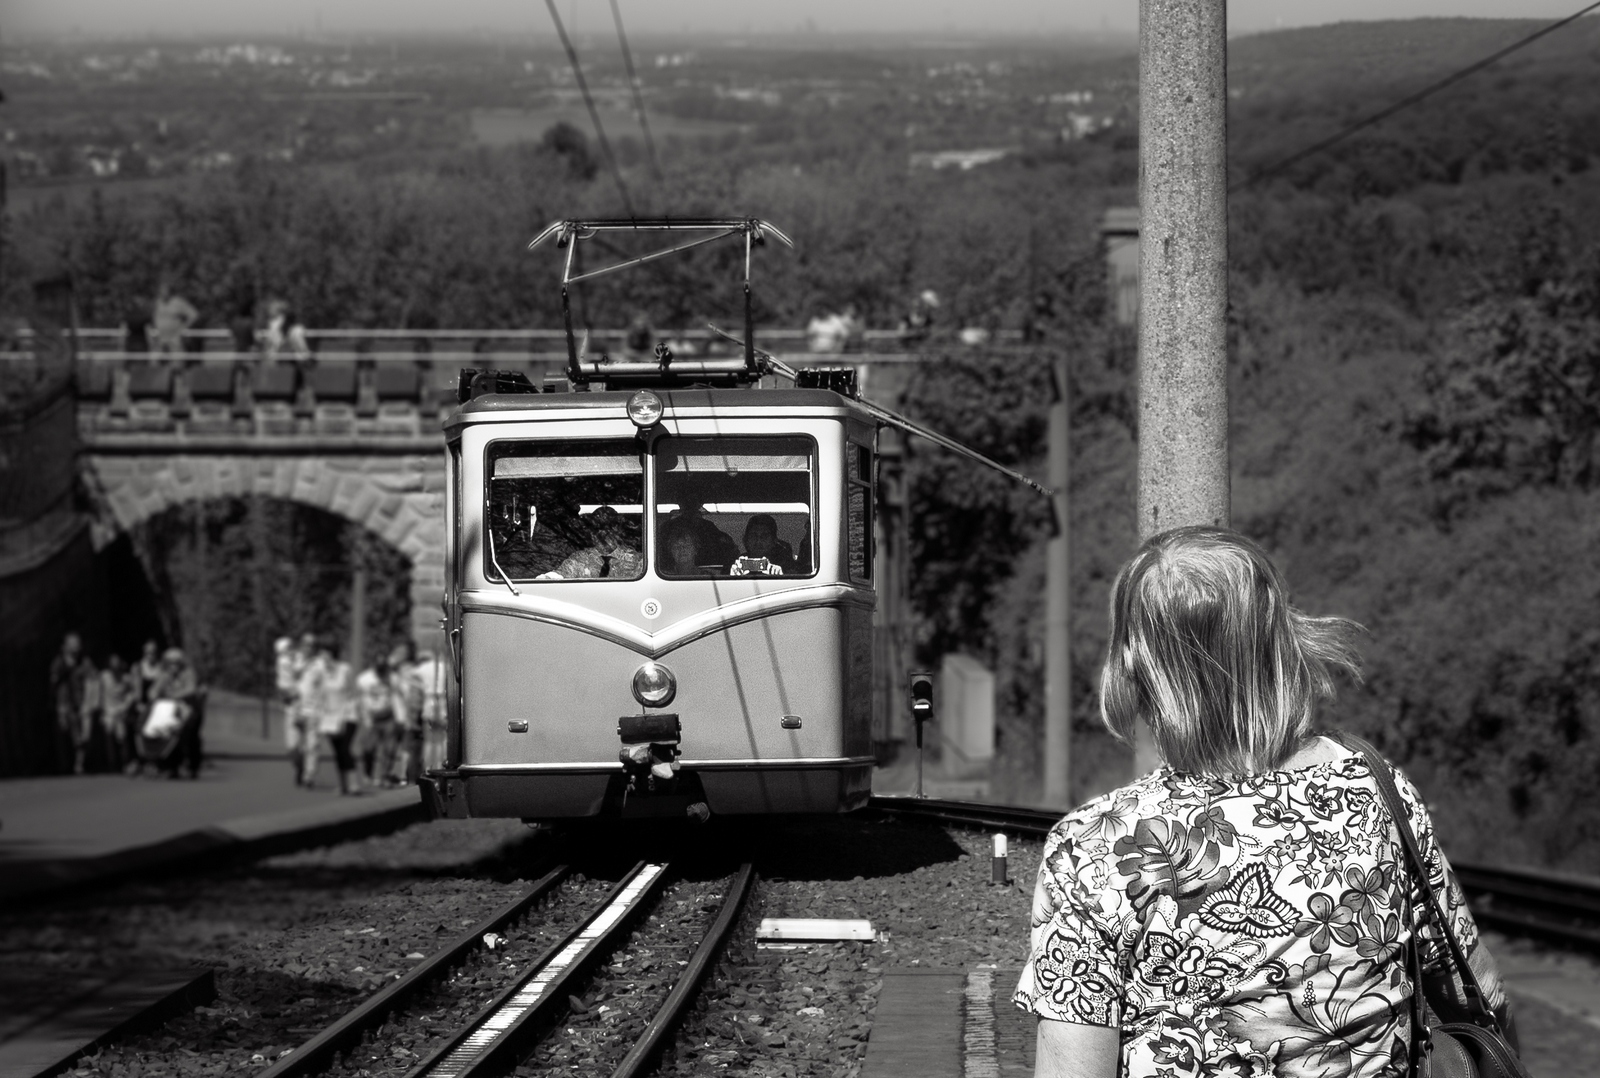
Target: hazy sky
(119,17)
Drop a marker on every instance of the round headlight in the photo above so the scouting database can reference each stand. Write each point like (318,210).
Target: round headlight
(644,408)
(654,685)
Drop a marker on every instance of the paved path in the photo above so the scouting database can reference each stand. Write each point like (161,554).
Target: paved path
(58,830)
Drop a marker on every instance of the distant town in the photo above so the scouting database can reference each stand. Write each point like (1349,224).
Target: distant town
(81,113)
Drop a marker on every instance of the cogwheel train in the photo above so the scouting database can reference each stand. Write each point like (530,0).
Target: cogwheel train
(659,588)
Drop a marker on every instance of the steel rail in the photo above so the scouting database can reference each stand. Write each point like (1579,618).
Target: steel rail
(1014,818)
(1561,906)
(502,1033)
(642,1056)
(1529,900)
(317,1054)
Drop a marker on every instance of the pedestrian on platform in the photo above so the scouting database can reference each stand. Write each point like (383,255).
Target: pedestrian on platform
(330,690)
(181,684)
(172,317)
(1247,907)
(288,663)
(120,712)
(431,674)
(379,729)
(311,701)
(70,671)
(87,746)
(407,692)
(149,671)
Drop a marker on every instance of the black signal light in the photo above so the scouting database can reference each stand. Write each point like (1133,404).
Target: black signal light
(921,691)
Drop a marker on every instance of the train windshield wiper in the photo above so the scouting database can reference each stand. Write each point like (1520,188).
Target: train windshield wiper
(505,578)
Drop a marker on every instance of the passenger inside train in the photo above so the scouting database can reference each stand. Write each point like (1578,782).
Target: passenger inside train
(574,510)
(764,552)
(563,510)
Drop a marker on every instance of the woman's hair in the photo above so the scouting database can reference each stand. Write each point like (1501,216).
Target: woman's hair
(1206,649)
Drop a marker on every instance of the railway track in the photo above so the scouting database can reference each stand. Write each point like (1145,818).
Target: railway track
(504,1031)
(1560,907)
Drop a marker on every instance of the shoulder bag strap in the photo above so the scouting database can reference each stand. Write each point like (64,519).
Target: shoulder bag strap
(1397,811)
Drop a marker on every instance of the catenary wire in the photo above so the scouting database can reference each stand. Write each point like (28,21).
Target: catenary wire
(638,93)
(1406,102)
(594,114)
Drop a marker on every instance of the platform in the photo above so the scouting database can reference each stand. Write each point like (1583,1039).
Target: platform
(949,1023)
(62,830)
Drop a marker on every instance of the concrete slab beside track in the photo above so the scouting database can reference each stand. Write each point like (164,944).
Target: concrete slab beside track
(51,1017)
(949,1023)
(68,830)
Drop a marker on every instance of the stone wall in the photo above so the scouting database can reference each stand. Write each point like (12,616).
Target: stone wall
(398,498)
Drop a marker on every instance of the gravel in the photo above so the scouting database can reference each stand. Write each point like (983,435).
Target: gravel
(808,1011)
(410,1035)
(295,940)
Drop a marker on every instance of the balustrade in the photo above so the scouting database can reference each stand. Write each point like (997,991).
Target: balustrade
(365,383)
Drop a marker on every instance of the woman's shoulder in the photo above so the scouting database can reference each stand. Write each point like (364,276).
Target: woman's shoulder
(1115,810)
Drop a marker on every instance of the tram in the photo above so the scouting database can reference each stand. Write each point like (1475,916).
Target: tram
(659,587)
(659,584)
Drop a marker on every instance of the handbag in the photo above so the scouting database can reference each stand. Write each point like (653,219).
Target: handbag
(1475,1049)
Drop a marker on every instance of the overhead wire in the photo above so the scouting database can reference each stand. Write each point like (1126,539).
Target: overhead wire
(638,93)
(1406,102)
(594,113)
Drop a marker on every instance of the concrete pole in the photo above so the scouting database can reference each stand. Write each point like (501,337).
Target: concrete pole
(1058,600)
(1183,270)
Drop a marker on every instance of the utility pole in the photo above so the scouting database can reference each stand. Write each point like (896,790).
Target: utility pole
(1183,271)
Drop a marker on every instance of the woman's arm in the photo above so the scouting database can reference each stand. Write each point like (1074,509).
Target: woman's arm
(1068,1050)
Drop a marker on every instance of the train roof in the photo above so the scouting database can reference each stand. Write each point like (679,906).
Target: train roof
(504,407)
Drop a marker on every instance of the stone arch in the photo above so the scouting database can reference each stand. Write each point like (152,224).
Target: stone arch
(400,498)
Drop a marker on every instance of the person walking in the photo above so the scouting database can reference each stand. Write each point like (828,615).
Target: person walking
(379,730)
(181,684)
(149,671)
(120,712)
(329,689)
(1246,908)
(432,676)
(86,742)
(311,697)
(69,674)
(406,690)
(289,663)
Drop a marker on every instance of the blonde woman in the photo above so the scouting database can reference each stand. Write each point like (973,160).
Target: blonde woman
(1245,909)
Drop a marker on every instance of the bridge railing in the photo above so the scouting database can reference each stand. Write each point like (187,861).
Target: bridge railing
(365,383)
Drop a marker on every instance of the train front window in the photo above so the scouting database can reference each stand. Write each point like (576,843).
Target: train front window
(735,506)
(568,510)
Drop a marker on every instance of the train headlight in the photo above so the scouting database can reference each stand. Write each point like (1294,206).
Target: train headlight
(654,685)
(644,408)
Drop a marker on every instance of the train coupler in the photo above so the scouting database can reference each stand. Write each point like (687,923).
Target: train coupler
(649,752)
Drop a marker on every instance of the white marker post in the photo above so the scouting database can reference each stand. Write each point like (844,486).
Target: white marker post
(997,864)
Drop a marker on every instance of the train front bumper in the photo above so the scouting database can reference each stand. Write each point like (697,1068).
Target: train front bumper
(728,788)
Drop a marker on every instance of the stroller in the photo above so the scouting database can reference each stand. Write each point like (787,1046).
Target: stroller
(161,739)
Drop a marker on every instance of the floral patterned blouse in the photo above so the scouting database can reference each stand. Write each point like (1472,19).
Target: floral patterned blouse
(1243,927)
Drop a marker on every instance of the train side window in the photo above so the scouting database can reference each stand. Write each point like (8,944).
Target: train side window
(858,510)
(564,510)
(735,506)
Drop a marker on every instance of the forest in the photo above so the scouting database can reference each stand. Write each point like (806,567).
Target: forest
(1414,361)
